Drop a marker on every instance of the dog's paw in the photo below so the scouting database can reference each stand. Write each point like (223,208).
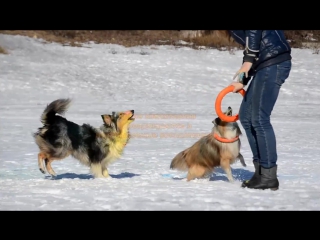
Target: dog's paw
(105,173)
(41,170)
(52,173)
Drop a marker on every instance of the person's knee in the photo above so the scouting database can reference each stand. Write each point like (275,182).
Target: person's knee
(244,118)
(259,122)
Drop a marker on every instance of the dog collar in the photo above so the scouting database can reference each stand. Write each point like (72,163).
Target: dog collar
(225,140)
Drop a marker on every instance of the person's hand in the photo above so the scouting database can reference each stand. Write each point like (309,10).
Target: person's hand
(243,70)
(237,86)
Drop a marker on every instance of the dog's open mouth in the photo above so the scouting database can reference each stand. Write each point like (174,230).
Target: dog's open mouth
(131,118)
(229,112)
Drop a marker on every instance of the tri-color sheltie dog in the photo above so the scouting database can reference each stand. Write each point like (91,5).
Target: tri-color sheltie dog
(220,148)
(93,147)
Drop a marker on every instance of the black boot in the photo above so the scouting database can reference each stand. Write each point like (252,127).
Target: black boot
(267,179)
(255,175)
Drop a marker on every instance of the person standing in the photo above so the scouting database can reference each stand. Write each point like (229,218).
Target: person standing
(267,63)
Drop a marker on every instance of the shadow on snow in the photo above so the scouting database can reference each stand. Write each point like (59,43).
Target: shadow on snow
(89,176)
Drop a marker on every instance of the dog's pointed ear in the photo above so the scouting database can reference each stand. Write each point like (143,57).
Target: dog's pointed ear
(107,119)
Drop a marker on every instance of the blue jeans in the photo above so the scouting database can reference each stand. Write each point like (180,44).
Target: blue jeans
(256,108)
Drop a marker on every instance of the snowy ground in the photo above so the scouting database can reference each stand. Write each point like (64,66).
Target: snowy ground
(151,80)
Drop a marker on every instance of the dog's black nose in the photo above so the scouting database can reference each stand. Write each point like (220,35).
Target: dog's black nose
(132,111)
(229,108)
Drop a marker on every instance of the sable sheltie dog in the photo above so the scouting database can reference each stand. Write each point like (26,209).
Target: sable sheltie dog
(220,148)
(93,147)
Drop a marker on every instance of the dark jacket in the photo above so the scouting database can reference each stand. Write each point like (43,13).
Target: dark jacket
(263,48)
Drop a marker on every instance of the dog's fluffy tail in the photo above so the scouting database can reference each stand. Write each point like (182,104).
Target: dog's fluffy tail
(179,161)
(59,106)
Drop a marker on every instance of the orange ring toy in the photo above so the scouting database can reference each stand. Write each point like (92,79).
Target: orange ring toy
(218,102)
